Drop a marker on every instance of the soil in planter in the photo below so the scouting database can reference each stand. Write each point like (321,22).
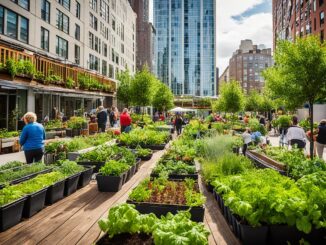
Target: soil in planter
(127,239)
(173,193)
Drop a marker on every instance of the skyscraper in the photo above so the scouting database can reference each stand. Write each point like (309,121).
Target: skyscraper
(185,48)
(145,35)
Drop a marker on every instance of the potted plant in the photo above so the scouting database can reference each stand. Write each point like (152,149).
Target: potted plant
(75,124)
(111,175)
(143,153)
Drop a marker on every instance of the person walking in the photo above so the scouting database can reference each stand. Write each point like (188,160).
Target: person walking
(178,124)
(125,121)
(246,140)
(32,138)
(112,117)
(296,135)
(321,138)
(102,119)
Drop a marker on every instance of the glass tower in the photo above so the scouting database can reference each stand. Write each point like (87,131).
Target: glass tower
(185,48)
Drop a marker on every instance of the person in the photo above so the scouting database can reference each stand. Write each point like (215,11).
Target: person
(125,121)
(54,113)
(321,138)
(246,119)
(32,138)
(112,117)
(262,120)
(162,117)
(178,124)
(246,140)
(102,118)
(296,135)
(156,117)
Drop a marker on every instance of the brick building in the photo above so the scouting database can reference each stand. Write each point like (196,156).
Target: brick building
(298,18)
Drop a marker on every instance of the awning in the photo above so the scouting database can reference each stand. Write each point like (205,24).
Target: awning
(180,109)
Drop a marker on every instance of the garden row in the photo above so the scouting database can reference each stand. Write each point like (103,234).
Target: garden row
(261,205)
(26,198)
(171,193)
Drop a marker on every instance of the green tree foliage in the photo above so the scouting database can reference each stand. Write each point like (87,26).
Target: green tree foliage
(299,73)
(163,97)
(142,88)
(253,101)
(124,93)
(231,98)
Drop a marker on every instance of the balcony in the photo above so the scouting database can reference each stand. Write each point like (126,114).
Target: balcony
(34,68)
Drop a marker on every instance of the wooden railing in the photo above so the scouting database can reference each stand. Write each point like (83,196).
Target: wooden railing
(48,67)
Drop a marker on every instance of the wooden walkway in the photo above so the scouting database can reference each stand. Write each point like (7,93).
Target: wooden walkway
(73,220)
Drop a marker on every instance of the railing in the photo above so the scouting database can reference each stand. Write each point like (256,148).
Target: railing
(48,67)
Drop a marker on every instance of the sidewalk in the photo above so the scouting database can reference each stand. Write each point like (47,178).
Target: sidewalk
(17,156)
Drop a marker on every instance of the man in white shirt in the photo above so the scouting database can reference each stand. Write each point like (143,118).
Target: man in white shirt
(247,140)
(296,135)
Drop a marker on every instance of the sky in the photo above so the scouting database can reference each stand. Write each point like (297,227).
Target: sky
(237,20)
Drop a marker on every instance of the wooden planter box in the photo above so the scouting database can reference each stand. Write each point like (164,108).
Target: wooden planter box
(266,162)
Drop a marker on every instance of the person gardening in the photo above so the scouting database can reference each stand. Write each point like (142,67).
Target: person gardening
(32,138)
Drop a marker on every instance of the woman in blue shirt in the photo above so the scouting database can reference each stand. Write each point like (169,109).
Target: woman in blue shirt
(32,138)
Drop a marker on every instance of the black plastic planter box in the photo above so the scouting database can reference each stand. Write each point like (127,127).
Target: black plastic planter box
(109,183)
(34,203)
(178,176)
(85,176)
(71,184)
(253,235)
(154,147)
(11,214)
(55,192)
(73,132)
(131,172)
(126,239)
(147,158)
(197,213)
(282,234)
(97,165)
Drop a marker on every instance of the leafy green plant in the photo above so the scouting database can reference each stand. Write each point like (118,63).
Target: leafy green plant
(114,168)
(170,229)
(283,121)
(53,124)
(11,67)
(4,133)
(255,126)
(10,165)
(69,168)
(140,136)
(76,122)
(141,193)
(70,83)
(142,152)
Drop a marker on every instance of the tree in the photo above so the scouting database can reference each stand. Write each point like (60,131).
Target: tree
(124,89)
(299,74)
(142,88)
(163,97)
(231,98)
(253,101)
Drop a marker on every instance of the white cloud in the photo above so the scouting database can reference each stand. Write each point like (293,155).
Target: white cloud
(230,32)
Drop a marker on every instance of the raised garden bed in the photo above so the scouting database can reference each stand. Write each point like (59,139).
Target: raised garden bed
(11,214)
(85,176)
(265,162)
(71,184)
(164,196)
(97,165)
(55,192)
(34,203)
(110,183)
(127,239)
(178,176)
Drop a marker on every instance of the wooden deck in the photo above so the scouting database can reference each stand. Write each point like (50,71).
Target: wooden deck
(73,220)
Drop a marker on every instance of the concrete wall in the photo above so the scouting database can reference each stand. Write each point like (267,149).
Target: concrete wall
(319,113)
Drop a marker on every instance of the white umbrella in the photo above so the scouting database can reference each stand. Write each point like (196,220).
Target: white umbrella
(179,109)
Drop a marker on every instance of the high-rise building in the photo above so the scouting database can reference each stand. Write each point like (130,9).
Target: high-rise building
(145,35)
(292,19)
(247,64)
(82,41)
(185,48)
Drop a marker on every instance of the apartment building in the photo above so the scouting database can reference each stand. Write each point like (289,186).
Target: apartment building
(93,37)
(298,18)
(246,65)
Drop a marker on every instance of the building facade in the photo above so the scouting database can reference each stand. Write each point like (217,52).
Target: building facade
(145,35)
(67,39)
(185,47)
(298,18)
(247,64)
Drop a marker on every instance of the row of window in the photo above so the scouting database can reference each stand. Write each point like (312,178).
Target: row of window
(13,25)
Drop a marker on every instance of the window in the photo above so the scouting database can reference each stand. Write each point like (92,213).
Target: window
(113,23)
(104,10)
(22,3)
(321,2)
(23,29)
(93,21)
(94,62)
(322,17)
(93,5)
(77,54)
(91,40)
(78,10)
(104,68)
(1,19)
(65,3)
(62,22)
(12,25)
(105,50)
(111,71)
(77,32)
(45,11)
(44,39)
(62,47)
